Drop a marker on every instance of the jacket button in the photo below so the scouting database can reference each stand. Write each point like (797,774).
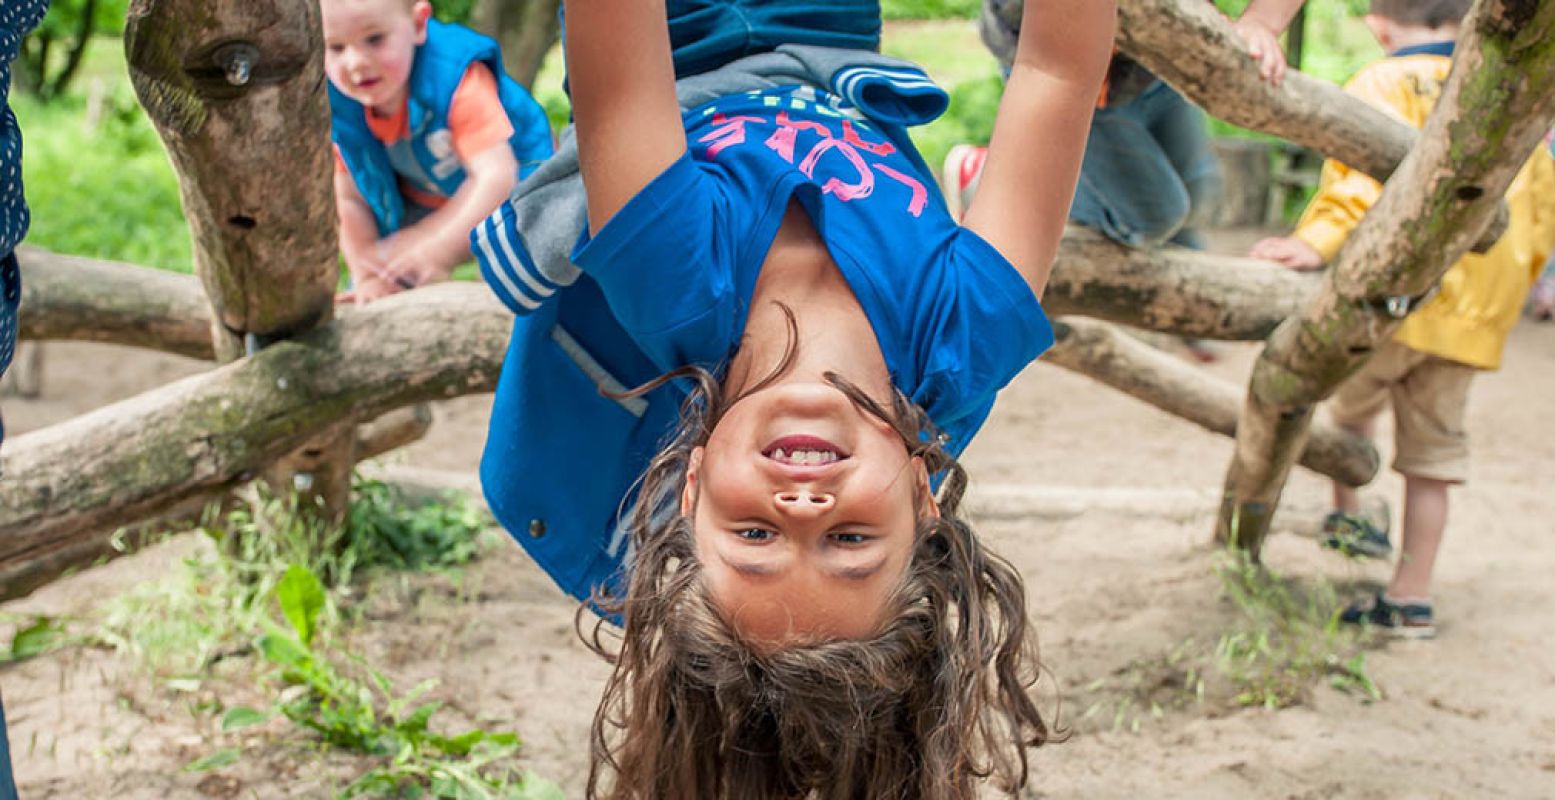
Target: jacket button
(536,528)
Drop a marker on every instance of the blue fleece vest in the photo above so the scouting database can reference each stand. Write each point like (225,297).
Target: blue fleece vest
(440,65)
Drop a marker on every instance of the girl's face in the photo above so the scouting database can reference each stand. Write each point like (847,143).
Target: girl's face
(370,46)
(805,509)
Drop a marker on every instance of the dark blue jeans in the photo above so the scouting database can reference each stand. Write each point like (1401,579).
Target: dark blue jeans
(1148,176)
(7,781)
(707,34)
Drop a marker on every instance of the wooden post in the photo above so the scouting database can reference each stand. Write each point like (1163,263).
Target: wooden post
(236,90)
(1495,108)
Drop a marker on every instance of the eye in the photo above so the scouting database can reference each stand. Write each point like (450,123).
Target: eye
(849,538)
(374,39)
(755,535)
(336,49)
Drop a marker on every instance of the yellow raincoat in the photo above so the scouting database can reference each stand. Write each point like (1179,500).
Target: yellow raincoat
(1481,296)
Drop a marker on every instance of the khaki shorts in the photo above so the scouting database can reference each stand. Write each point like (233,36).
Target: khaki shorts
(1429,395)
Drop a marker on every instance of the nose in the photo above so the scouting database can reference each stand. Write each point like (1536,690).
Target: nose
(352,59)
(804,502)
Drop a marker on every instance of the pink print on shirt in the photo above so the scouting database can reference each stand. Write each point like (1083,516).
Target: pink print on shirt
(729,131)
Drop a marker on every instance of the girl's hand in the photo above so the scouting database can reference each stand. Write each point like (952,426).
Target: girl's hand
(1288,252)
(1263,44)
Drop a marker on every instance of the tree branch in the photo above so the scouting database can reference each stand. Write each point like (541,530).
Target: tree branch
(1492,113)
(72,483)
(1107,354)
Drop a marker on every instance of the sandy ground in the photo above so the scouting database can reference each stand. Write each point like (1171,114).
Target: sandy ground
(1105,504)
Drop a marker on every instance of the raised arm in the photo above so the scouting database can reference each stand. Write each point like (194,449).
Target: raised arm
(623,99)
(1039,134)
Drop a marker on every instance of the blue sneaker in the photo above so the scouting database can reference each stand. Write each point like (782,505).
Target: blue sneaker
(1399,620)
(1356,535)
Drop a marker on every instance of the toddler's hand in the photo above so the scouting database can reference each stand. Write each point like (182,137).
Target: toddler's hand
(1288,252)
(1263,44)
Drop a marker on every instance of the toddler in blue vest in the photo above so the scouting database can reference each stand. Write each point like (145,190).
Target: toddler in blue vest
(773,514)
(430,135)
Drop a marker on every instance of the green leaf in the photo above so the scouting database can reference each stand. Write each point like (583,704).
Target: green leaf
(302,600)
(36,639)
(240,718)
(224,757)
(284,651)
(538,788)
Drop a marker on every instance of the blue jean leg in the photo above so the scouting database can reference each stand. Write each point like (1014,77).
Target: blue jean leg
(7,780)
(1148,172)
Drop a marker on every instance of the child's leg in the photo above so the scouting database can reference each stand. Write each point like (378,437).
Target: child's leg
(1355,407)
(1425,519)
(1429,404)
(1180,128)
(1129,189)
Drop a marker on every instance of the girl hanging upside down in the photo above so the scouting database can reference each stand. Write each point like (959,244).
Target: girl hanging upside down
(772,514)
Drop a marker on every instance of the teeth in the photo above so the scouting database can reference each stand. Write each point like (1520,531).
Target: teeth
(804,457)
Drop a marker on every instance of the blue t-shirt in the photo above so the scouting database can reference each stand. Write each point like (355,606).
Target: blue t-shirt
(678,264)
(668,282)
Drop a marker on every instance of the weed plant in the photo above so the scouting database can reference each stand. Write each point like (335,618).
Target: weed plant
(1283,639)
(267,556)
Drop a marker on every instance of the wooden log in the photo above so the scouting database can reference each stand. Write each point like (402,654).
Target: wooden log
(64,297)
(1109,355)
(236,90)
(1172,290)
(1492,113)
(24,378)
(75,482)
(393,430)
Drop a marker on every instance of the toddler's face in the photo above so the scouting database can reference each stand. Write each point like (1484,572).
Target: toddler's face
(369,47)
(805,511)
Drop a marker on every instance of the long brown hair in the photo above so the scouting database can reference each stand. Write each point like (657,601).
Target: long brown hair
(940,697)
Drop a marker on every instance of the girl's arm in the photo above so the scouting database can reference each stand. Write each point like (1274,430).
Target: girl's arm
(1039,134)
(623,99)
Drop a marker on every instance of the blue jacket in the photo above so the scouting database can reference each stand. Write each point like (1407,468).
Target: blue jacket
(440,65)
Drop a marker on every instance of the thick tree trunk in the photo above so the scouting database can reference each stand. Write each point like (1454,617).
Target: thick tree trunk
(236,91)
(1109,355)
(1492,113)
(526,29)
(72,484)
(1190,45)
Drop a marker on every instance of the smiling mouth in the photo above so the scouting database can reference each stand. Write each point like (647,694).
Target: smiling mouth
(804,451)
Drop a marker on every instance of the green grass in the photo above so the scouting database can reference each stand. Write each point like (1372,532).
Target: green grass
(929,9)
(105,190)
